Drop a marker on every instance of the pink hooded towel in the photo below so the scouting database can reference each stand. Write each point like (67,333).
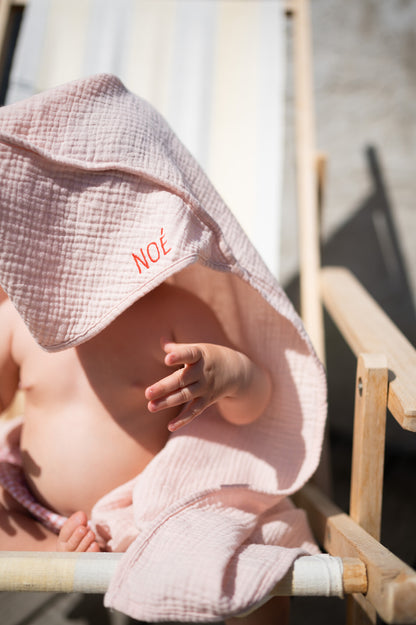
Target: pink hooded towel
(100,203)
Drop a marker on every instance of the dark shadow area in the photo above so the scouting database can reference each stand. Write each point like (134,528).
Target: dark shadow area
(89,610)
(368,245)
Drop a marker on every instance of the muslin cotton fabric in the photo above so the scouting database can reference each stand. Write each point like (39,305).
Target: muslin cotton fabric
(100,203)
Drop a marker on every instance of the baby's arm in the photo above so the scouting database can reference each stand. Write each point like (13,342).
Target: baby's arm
(9,370)
(210,373)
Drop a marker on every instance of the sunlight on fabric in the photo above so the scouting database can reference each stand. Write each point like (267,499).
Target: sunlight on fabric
(215,70)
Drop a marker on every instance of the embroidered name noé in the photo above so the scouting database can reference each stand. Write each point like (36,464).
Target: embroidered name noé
(152,253)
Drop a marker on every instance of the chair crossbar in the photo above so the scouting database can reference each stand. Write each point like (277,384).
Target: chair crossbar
(320,575)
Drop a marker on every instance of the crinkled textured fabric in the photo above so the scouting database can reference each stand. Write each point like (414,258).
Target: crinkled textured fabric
(99,203)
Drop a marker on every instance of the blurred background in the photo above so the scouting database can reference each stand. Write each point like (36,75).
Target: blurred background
(364,72)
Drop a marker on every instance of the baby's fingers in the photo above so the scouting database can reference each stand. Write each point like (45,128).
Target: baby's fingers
(180,379)
(188,414)
(176,398)
(181,354)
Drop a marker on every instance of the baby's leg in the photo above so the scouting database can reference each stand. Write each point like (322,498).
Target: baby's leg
(19,531)
(75,535)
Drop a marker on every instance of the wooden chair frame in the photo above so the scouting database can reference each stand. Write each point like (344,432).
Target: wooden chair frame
(386,370)
(386,362)
(375,580)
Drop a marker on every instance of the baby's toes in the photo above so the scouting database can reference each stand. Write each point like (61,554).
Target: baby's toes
(94,546)
(75,534)
(87,542)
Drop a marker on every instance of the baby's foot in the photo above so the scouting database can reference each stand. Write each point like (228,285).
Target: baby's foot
(75,535)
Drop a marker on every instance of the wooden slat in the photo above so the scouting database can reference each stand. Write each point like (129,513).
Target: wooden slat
(368,442)
(360,611)
(311,308)
(391,583)
(367,329)
(5,6)
(5,10)
(367,469)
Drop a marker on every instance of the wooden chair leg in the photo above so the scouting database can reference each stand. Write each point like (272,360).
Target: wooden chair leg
(359,611)
(368,462)
(368,442)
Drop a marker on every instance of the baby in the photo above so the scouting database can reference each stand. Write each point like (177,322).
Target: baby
(96,414)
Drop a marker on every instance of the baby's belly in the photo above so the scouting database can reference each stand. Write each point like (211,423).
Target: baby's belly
(72,460)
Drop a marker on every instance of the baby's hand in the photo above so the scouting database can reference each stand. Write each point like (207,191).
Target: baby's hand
(208,373)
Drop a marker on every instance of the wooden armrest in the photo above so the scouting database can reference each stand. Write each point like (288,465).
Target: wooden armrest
(367,329)
(391,582)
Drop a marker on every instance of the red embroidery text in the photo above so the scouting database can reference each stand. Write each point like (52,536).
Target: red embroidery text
(152,253)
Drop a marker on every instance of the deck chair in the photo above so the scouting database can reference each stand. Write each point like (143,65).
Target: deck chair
(374,580)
